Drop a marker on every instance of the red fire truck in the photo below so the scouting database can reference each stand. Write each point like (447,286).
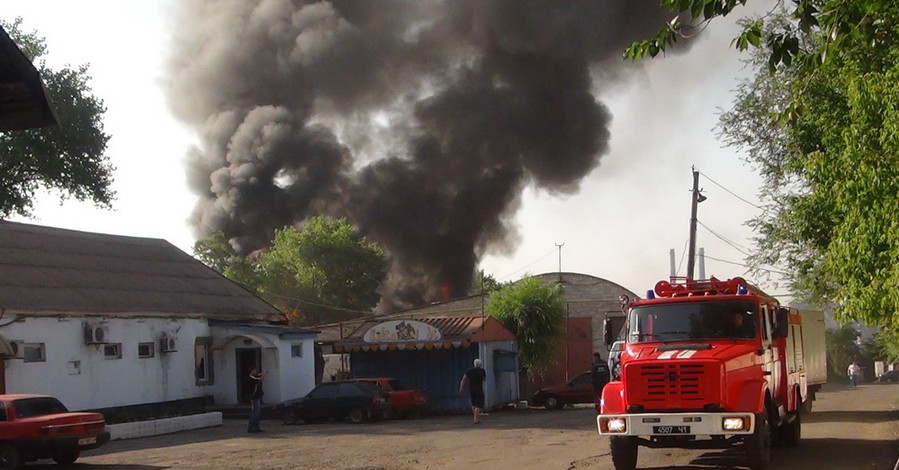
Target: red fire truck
(708,364)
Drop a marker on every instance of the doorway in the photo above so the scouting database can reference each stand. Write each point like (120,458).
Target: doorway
(247,358)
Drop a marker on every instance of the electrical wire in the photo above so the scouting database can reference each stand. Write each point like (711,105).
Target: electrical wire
(746,266)
(731,192)
(527,266)
(682,255)
(742,249)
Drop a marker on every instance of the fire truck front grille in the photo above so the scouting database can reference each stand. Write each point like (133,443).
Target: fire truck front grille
(674,384)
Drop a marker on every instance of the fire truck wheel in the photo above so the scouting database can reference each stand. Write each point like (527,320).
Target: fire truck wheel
(624,452)
(806,407)
(791,432)
(758,445)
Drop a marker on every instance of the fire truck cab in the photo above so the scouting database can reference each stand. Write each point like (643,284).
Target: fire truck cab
(706,364)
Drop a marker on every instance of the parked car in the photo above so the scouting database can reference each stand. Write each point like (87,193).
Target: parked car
(405,403)
(36,427)
(348,399)
(889,376)
(577,390)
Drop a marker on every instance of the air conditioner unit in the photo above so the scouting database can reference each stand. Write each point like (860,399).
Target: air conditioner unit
(167,344)
(18,349)
(94,334)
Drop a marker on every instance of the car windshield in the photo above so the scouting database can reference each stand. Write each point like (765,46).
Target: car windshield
(692,321)
(40,406)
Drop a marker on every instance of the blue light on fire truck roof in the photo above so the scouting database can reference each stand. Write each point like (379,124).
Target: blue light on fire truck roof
(650,294)
(741,290)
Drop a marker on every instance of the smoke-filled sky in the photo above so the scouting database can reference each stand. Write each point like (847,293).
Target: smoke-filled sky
(458,134)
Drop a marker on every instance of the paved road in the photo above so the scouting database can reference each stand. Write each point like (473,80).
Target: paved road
(849,429)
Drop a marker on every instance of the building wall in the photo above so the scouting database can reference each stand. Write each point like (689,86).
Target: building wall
(83,377)
(288,376)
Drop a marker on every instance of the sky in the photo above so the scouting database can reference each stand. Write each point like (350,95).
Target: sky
(628,213)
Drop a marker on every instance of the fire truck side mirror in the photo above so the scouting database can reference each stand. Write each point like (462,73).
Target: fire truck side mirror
(781,322)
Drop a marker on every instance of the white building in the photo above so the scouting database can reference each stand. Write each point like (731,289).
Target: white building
(135,326)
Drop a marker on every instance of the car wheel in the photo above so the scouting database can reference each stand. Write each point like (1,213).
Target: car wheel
(67,457)
(357,415)
(10,459)
(290,416)
(552,403)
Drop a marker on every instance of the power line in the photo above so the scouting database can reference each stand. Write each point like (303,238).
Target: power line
(747,266)
(732,193)
(682,254)
(527,265)
(742,249)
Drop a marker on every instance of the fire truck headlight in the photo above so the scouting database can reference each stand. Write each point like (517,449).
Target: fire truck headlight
(735,423)
(616,425)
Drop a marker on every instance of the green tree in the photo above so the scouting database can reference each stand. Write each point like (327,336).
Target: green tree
(68,158)
(842,349)
(219,255)
(329,258)
(820,123)
(484,283)
(325,271)
(535,313)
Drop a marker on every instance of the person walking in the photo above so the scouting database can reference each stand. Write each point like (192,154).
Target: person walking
(255,379)
(475,378)
(854,372)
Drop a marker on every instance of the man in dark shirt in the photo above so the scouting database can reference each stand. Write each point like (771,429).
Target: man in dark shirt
(599,376)
(255,399)
(475,378)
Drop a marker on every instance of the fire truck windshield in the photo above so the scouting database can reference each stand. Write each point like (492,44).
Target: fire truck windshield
(698,320)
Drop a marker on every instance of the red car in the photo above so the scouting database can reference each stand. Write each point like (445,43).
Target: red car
(405,402)
(577,390)
(40,427)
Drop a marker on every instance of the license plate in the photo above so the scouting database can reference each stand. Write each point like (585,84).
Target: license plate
(671,429)
(87,440)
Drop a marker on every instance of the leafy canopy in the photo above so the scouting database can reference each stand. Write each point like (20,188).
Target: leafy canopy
(68,158)
(535,313)
(819,121)
(325,271)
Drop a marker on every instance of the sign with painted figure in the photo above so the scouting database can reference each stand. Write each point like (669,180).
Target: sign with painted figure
(401,330)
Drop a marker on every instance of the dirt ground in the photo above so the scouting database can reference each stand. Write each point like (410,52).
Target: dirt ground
(849,429)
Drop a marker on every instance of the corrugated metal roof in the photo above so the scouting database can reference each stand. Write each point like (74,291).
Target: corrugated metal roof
(52,270)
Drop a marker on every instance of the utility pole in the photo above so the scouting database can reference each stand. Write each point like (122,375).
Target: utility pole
(560,245)
(697,198)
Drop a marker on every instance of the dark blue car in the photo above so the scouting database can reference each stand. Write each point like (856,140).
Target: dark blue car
(356,401)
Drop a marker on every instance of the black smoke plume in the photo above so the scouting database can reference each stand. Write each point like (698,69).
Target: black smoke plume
(421,121)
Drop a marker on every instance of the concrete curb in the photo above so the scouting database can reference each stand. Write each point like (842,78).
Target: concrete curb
(164,426)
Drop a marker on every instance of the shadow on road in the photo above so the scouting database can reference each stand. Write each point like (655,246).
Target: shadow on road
(878,416)
(836,454)
(87,466)
(819,454)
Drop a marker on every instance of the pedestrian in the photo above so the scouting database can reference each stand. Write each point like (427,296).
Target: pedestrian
(475,378)
(599,376)
(854,372)
(255,382)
